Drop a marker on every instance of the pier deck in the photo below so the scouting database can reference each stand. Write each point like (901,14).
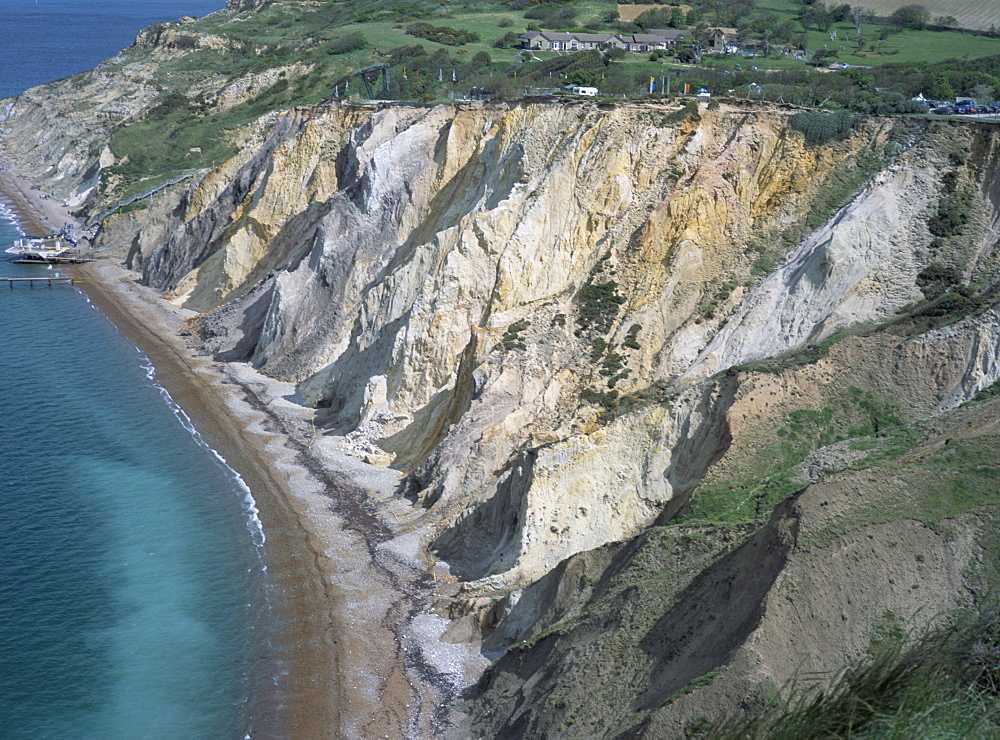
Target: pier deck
(74,259)
(32,280)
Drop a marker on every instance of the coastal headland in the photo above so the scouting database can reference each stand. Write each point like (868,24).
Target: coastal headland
(347,572)
(661,405)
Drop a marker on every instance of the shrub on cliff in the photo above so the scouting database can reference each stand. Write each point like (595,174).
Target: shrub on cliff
(599,305)
(820,128)
(510,40)
(552,15)
(346,44)
(402,55)
(442,34)
(952,213)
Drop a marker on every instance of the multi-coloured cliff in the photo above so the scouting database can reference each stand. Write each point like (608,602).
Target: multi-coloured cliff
(683,398)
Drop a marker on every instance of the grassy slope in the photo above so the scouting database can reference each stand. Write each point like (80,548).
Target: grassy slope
(651,628)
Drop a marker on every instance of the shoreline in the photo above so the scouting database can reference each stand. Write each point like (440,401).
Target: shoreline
(34,214)
(304,604)
(352,587)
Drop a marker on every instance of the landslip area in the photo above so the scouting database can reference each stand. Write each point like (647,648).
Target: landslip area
(652,405)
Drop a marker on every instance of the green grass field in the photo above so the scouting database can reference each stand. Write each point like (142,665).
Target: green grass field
(977,15)
(905,47)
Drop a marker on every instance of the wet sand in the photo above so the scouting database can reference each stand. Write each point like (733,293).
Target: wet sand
(356,635)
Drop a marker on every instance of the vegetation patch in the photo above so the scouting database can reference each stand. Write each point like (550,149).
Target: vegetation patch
(946,300)
(959,477)
(837,190)
(807,355)
(442,34)
(632,338)
(345,44)
(599,305)
(768,474)
(170,141)
(696,683)
(987,393)
(605,399)
(952,214)
(821,128)
(512,338)
(688,112)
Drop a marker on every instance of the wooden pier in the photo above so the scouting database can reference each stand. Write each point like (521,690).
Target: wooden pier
(32,280)
(71,259)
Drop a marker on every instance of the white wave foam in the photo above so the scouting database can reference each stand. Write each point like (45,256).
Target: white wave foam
(6,214)
(249,505)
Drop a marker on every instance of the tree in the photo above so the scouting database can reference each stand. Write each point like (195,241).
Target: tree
(840,13)
(946,21)
(764,21)
(785,31)
(584,77)
(613,54)
(699,40)
(676,18)
(861,77)
(983,93)
(735,11)
(914,17)
(687,56)
(937,86)
(818,15)
(860,15)
(820,56)
(653,19)
(823,19)
(511,40)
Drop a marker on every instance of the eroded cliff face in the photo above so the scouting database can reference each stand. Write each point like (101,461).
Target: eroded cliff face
(433,280)
(544,314)
(569,323)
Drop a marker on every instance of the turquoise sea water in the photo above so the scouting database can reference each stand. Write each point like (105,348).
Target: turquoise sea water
(131,574)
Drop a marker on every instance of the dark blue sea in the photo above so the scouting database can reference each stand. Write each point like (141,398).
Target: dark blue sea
(45,40)
(131,570)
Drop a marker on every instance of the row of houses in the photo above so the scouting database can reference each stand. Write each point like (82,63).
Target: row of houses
(659,38)
(556,41)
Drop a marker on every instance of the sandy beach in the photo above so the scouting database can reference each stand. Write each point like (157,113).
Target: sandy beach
(359,652)
(37,214)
